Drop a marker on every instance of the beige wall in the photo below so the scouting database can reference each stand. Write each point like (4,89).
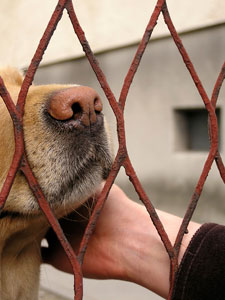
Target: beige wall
(161,85)
(108,24)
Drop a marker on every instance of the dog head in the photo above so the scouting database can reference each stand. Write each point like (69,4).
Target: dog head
(66,141)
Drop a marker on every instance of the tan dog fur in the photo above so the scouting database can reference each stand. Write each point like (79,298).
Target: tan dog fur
(56,160)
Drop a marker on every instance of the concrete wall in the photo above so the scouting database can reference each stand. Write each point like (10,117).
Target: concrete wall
(107,24)
(162,85)
(169,174)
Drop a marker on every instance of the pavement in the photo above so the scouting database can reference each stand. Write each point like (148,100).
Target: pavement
(49,295)
(57,285)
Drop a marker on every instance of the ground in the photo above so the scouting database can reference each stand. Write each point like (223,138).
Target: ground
(46,295)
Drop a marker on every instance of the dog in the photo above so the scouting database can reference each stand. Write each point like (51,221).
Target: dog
(69,151)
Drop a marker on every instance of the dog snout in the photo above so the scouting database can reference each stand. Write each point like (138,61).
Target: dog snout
(78,103)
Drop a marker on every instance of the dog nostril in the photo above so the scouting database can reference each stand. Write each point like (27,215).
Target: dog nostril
(77,110)
(80,103)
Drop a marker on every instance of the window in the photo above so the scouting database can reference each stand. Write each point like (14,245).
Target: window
(191,129)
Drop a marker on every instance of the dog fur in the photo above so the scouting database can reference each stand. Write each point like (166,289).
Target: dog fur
(69,165)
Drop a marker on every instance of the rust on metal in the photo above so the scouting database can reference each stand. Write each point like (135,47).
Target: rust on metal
(122,159)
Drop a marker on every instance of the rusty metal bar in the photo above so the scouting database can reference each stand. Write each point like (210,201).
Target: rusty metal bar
(76,266)
(218,86)
(92,60)
(208,105)
(214,133)
(19,144)
(16,113)
(98,207)
(55,18)
(214,97)
(173,255)
(122,152)
(141,48)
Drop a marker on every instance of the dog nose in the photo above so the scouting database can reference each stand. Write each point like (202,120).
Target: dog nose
(79,103)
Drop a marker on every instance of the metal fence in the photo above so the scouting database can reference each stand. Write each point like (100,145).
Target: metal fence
(20,161)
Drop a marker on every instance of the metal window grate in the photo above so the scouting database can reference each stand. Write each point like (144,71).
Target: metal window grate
(20,161)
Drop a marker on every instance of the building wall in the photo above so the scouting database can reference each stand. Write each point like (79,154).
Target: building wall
(161,86)
(107,24)
(169,173)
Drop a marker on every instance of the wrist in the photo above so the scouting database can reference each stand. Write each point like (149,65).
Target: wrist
(143,255)
(145,259)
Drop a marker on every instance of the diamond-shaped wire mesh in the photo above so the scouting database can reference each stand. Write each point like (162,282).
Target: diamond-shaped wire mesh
(20,161)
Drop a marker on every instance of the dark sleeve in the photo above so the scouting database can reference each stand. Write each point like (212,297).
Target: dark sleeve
(201,274)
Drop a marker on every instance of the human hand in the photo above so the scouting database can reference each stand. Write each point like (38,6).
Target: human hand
(124,245)
(101,260)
